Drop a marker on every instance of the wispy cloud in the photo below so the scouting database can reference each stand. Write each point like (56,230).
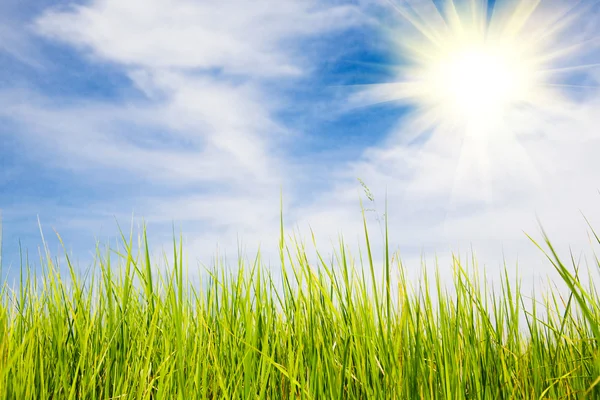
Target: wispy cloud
(200,139)
(233,36)
(205,112)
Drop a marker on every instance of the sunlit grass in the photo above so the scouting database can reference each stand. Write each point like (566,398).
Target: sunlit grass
(327,331)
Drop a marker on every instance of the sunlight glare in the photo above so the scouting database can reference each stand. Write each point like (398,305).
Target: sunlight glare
(475,82)
(468,69)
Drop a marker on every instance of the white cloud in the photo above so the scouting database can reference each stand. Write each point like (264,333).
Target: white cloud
(173,53)
(248,38)
(208,112)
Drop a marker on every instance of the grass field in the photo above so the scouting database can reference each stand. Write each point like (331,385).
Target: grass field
(125,331)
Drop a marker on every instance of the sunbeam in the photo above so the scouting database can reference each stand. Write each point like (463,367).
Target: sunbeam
(469,64)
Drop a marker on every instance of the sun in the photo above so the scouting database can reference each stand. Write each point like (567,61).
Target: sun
(474,81)
(467,66)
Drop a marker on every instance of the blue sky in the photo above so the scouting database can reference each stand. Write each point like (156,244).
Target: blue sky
(200,112)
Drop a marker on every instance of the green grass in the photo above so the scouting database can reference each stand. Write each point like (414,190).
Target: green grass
(126,331)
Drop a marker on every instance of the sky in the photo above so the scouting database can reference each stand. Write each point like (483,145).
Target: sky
(204,115)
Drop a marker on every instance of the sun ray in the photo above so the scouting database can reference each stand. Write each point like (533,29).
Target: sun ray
(571,85)
(563,52)
(468,64)
(571,69)
(419,25)
(520,16)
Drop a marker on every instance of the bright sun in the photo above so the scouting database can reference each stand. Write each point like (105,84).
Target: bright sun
(468,68)
(476,80)
(466,65)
